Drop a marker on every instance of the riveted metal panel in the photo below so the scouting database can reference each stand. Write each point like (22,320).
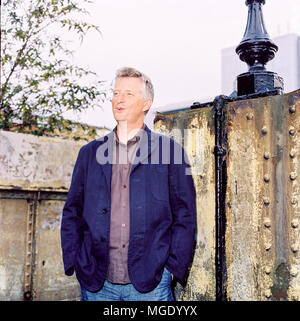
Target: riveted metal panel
(13,222)
(292,111)
(49,281)
(195,130)
(30,255)
(262,199)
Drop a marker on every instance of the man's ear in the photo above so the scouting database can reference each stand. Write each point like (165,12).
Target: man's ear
(147,104)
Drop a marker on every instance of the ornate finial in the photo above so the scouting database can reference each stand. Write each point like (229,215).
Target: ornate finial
(256,49)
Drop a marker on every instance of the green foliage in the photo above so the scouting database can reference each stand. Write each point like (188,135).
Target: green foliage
(38,82)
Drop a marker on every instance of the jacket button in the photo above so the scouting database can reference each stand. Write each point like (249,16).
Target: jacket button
(104,211)
(103,239)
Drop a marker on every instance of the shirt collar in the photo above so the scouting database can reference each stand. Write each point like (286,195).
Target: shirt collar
(132,140)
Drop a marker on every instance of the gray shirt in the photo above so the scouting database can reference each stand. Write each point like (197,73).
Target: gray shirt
(120,209)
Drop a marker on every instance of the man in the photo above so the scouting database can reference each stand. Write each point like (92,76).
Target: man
(128,224)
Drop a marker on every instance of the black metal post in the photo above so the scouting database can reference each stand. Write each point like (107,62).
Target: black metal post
(221,185)
(256,49)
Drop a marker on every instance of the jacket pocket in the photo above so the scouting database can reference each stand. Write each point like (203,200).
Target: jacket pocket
(85,262)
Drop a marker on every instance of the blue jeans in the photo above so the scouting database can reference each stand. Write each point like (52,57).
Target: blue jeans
(127,292)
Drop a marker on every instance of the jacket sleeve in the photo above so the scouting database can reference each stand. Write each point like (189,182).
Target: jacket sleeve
(72,215)
(183,205)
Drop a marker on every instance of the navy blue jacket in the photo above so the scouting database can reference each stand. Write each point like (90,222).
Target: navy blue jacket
(162,213)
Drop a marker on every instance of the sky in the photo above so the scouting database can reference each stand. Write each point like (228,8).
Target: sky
(177,43)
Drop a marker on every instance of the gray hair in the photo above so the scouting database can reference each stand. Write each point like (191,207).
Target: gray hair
(131,72)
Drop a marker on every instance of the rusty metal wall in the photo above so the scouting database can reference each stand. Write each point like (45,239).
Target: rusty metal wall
(195,130)
(49,282)
(13,217)
(35,174)
(262,197)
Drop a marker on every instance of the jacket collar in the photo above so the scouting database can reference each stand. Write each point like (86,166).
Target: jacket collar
(148,144)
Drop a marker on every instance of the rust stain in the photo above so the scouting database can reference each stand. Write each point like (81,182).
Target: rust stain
(281,283)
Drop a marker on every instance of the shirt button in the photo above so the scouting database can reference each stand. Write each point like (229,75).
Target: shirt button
(123,225)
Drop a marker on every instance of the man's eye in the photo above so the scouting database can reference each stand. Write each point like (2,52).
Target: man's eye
(115,93)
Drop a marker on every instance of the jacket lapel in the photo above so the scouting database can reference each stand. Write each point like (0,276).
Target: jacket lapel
(107,160)
(148,144)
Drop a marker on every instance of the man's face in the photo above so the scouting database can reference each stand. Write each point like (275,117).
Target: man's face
(128,101)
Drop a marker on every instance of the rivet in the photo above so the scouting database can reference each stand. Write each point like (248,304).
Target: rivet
(292,153)
(294,248)
(295,223)
(294,201)
(264,130)
(292,131)
(249,116)
(292,109)
(266,178)
(268,246)
(268,293)
(267,269)
(266,155)
(293,176)
(266,201)
(267,222)
(294,271)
